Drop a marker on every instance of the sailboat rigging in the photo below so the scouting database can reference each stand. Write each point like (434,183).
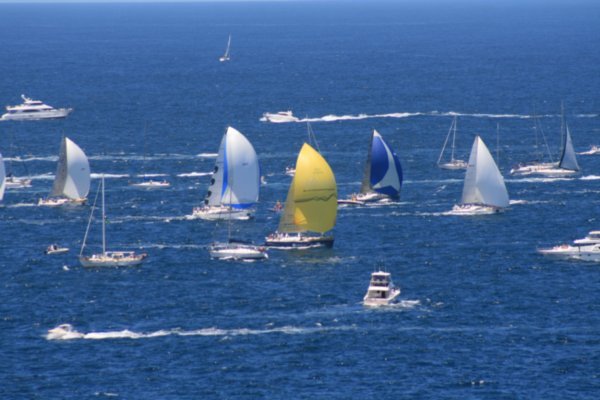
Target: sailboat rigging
(453,164)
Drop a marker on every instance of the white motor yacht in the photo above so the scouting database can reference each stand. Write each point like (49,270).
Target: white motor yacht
(33,109)
(381,291)
(237,250)
(279,117)
(592,238)
(592,151)
(589,252)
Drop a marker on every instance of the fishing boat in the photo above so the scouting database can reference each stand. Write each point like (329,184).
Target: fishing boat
(381,291)
(382,178)
(107,258)
(55,249)
(454,163)
(484,191)
(225,56)
(2,178)
(279,117)
(592,151)
(72,180)
(310,208)
(567,164)
(235,183)
(33,109)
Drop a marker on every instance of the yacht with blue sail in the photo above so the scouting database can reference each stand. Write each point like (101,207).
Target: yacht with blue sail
(382,178)
(484,190)
(235,182)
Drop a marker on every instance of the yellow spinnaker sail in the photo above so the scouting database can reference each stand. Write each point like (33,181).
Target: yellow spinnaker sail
(311,203)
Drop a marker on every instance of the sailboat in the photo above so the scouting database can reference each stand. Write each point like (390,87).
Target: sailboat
(72,180)
(107,258)
(310,206)
(151,183)
(453,163)
(226,55)
(235,182)
(382,178)
(2,178)
(484,191)
(13,182)
(567,164)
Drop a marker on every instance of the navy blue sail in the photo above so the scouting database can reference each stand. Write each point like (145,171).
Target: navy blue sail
(383,172)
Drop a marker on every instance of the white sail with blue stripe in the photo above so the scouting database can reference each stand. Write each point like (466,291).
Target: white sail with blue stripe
(383,172)
(236,178)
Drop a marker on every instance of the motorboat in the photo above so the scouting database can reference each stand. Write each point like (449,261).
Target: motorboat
(592,151)
(237,250)
(382,177)
(63,332)
(589,252)
(55,249)
(381,291)
(297,241)
(484,190)
(279,117)
(33,109)
(107,258)
(593,237)
(151,184)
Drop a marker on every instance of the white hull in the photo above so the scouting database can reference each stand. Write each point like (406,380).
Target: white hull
(221,213)
(379,302)
(60,202)
(454,165)
(565,251)
(48,114)
(59,250)
(593,151)
(474,209)
(235,251)
(112,259)
(544,169)
(279,117)
(151,184)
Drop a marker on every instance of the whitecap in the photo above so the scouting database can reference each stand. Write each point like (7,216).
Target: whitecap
(207,155)
(193,174)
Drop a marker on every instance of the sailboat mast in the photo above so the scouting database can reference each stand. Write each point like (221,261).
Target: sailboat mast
(497,143)
(446,142)
(453,140)
(103,221)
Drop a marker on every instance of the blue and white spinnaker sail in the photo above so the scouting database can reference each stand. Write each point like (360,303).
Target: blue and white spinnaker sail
(236,178)
(383,172)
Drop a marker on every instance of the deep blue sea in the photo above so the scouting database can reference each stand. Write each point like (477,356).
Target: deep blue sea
(481,314)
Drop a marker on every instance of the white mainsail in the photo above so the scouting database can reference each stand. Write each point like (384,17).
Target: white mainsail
(2,178)
(568,159)
(72,173)
(484,183)
(236,180)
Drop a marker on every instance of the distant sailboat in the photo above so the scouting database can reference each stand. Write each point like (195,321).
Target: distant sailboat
(107,258)
(310,206)
(484,191)
(2,178)
(225,56)
(72,180)
(13,182)
(382,178)
(235,183)
(453,163)
(567,164)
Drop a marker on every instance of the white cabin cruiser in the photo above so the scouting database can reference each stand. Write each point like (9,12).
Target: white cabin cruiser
(589,252)
(381,291)
(593,237)
(33,109)
(279,117)
(237,250)
(592,151)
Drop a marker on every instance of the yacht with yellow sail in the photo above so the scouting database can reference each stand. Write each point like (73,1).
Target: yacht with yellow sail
(311,205)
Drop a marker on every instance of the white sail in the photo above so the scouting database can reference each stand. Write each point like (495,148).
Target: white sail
(72,173)
(484,183)
(568,159)
(2,178)
(236,180)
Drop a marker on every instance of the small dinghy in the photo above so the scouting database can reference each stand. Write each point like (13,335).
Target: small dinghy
(55,249)
(381,291)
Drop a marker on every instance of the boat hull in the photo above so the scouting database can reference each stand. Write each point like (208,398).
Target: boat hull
(99,260)
(380,302)
(60,202)
(454,165)
(240,252)
(293,242)
(474,209)
(221,213)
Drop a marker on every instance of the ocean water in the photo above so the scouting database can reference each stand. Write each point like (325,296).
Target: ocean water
(481,314)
